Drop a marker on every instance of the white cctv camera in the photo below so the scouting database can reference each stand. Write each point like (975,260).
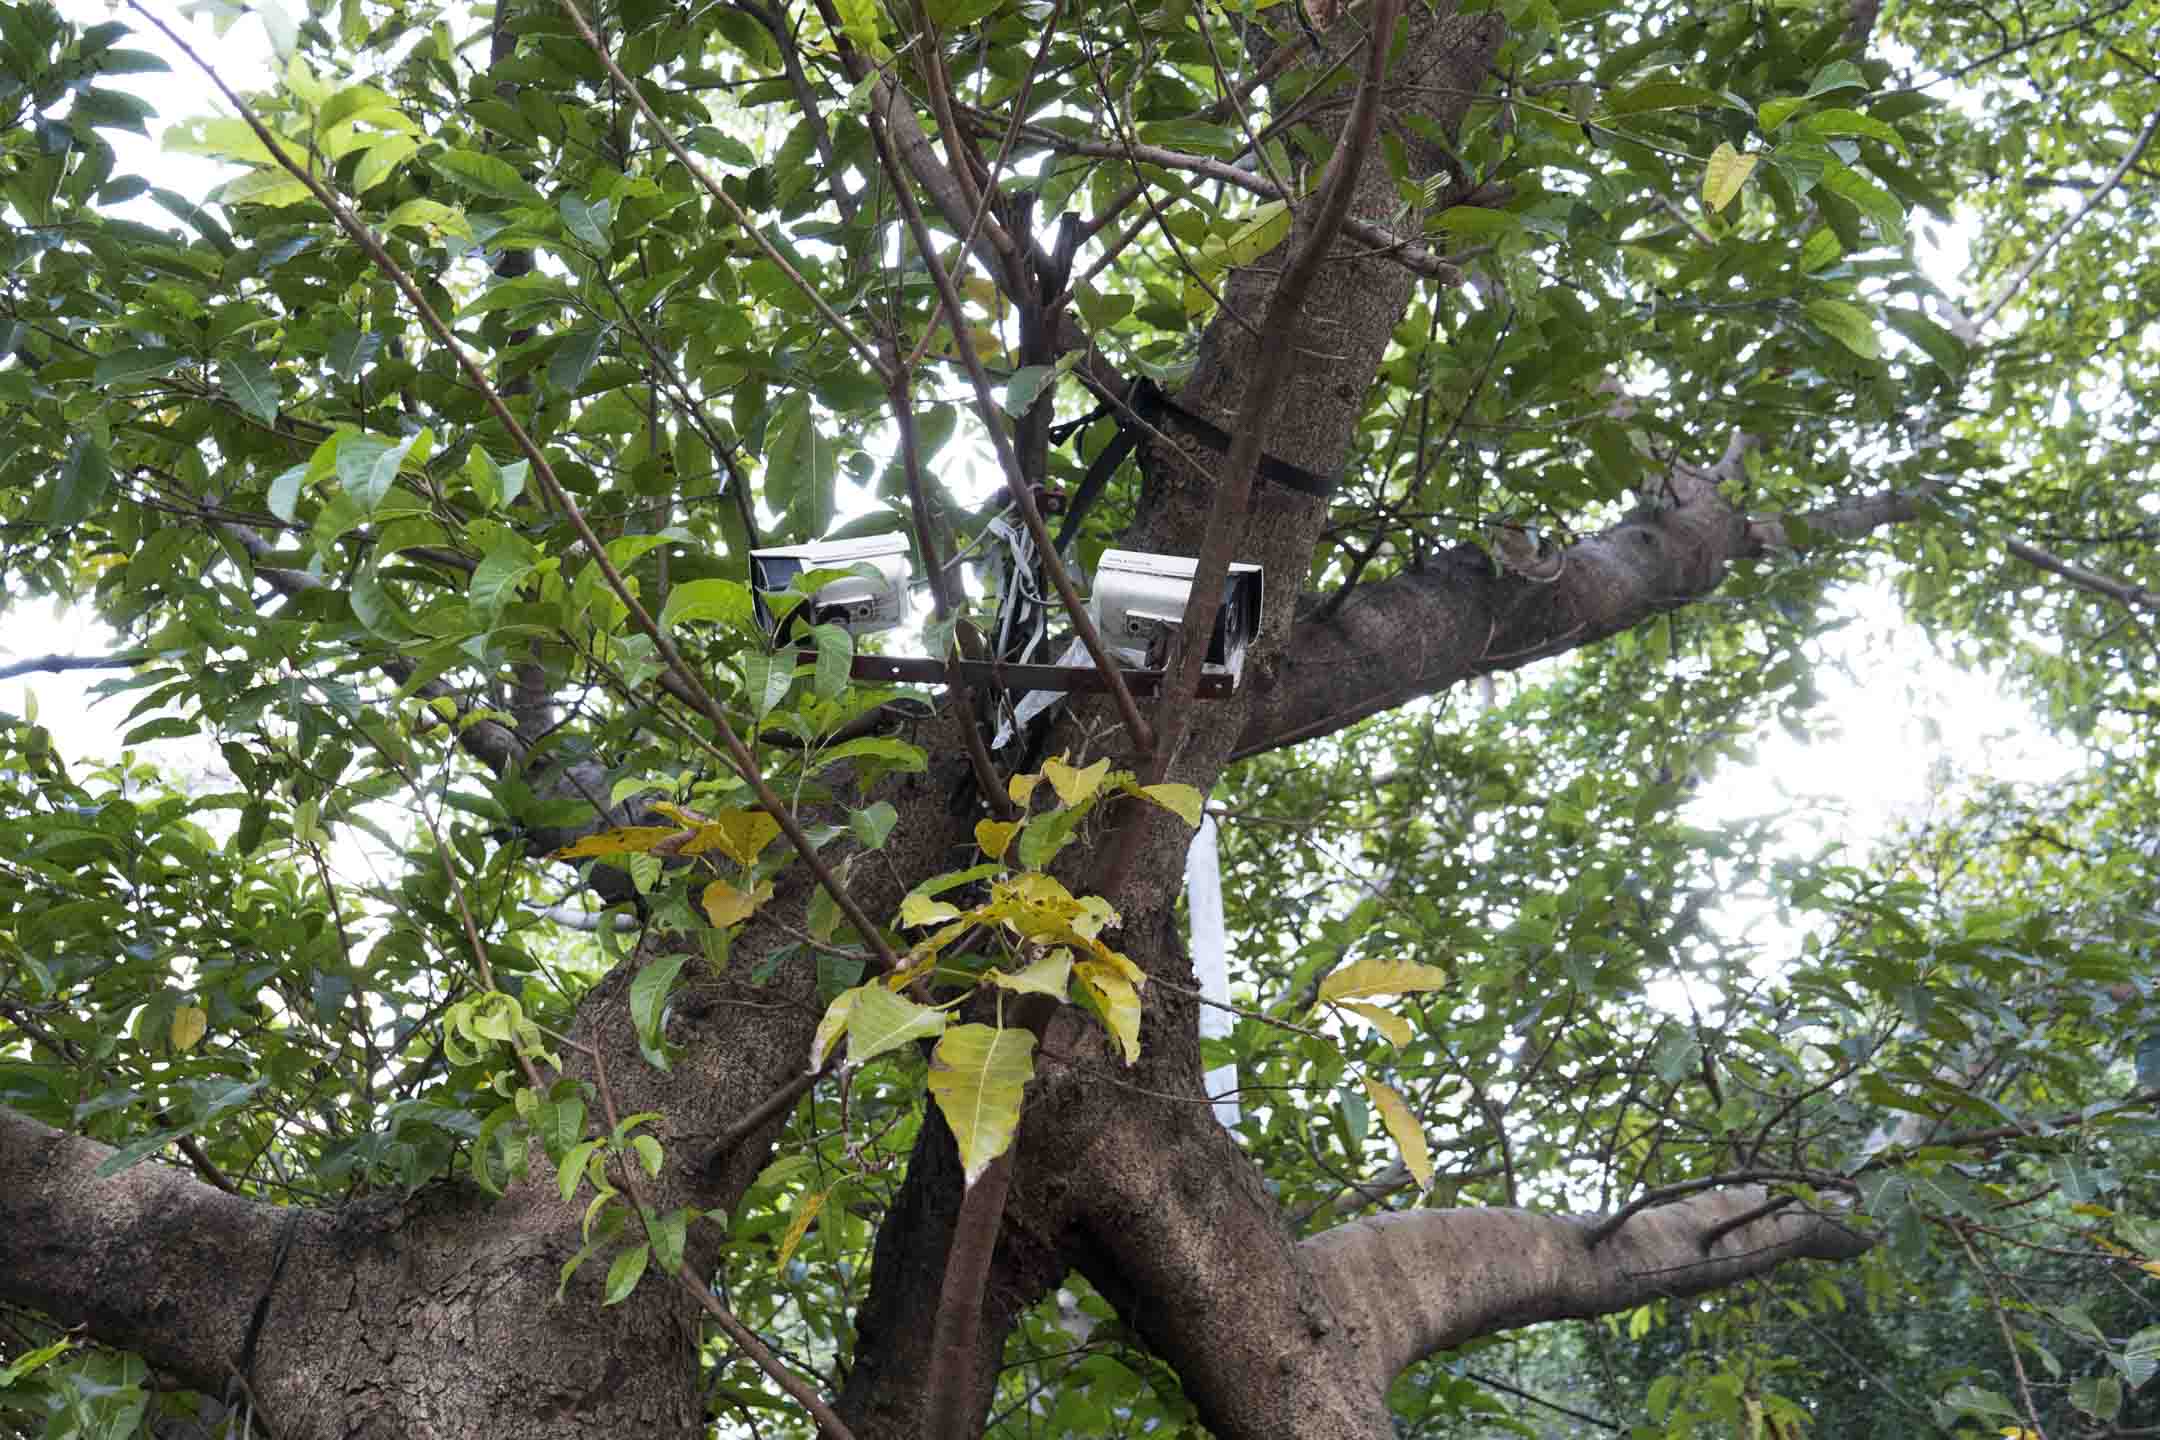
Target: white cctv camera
(872,598)
(1140,599)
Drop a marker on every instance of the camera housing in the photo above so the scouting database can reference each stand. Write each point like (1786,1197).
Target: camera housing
(873,599)
(1140,599)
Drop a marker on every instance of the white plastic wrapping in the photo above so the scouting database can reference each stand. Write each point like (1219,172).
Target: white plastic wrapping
(1211,957)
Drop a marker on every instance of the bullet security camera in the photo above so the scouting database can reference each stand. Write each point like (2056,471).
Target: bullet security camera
(873,598)
(1139,602)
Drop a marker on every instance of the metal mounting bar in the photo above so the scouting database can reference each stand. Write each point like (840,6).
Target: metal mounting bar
(921,670)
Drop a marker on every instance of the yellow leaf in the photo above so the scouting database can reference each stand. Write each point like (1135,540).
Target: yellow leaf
(1095,917)
(188,1024)
(1074,786)
(978,1074)
(1409,1135)
(922,910)
(1381,977)
(739,834)
(1182,801)
(2152,1268)
(1387,1022)
(832,1026)
(1019,787)
(994,835)
(806,1210)
(627,840)
(1725,173)
(1033,904)
(725,905)
(1049,975)
(1115,997)
(1134,975)
(917,966)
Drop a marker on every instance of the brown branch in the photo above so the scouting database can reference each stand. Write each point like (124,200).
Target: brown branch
(943,599)
(1421,631)
(949,1388)
(1412,257)
(57,664)
(2062,232)
(1604,1228)
(2120,591)
(1412,1282)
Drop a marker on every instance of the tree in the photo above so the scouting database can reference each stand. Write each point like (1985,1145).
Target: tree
(576,990)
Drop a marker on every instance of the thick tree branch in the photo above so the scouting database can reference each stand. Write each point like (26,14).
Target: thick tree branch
(150,1259)
(1424,630)
(1414,1282)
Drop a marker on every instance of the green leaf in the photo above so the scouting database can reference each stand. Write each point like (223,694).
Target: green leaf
(586,222)
(624,1273)
(1025,387)
(726,601)
(767,678)
(572,1168)
(496,578)
(859,21)
(1852,122)
(872,824)
(2140,1356)
(382,160)
(284,496)
(893,754)
(801,468)
(80,485)
(485,174)
(126,367)
(1848,324)
(835,649)
(667,1236)
(369,467)
(574,356)
(251,384)
(1663,95)
(648,1003)
(1774,113)
(351,351)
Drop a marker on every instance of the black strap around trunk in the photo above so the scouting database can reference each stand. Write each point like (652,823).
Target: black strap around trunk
(1149,403)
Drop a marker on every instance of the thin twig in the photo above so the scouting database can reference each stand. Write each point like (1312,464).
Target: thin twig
(801,1391)
(2002,1321)
(2062,232)
(1015,482)
(713,188)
